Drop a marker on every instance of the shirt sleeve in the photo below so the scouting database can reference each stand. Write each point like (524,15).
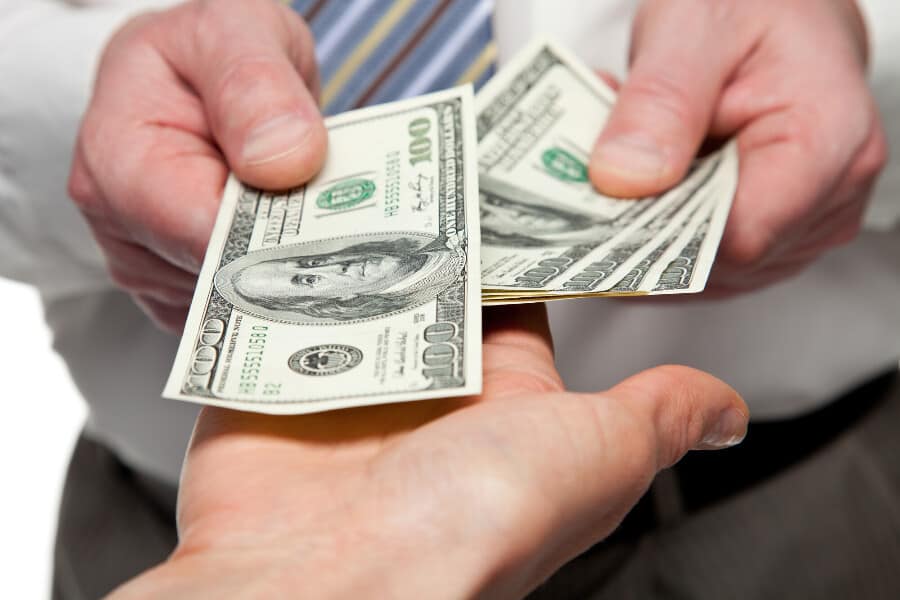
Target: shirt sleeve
(49,50)
(883,22)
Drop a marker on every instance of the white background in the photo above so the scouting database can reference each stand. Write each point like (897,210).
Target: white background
(42,416)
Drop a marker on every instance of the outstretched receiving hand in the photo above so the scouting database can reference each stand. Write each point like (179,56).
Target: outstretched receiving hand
(482,496)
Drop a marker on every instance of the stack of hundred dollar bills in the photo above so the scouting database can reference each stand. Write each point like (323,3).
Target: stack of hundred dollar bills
(365,285)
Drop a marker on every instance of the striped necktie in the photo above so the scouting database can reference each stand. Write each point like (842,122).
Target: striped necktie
(374,51)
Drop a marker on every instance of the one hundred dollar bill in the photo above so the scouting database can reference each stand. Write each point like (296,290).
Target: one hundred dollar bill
(546,232)
(361,287)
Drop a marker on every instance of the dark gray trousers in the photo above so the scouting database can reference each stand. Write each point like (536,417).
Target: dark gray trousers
(113,524)
(808,508)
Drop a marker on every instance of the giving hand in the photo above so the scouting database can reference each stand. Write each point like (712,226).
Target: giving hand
(788,79)
(182,96)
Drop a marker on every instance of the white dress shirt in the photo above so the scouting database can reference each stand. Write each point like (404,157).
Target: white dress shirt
(788,348)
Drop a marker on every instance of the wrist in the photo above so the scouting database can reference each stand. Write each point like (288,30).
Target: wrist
(424,555)
(342,561)
(386,559)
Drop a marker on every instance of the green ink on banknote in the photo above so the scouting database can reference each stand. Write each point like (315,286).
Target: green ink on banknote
(346,194)
(564,165)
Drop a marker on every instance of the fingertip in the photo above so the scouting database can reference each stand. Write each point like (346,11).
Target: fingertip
(728,430)
(687,408)
(722,411)
(283,152)
(631,166)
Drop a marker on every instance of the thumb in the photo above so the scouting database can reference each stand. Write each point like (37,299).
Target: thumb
(253,65)
(628,434)
(681,60)
(681,409)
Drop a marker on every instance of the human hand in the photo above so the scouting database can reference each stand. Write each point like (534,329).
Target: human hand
(788,79)
(181,97)
(454,498)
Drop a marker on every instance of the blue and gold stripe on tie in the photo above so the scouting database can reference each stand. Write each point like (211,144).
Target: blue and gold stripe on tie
(373,51)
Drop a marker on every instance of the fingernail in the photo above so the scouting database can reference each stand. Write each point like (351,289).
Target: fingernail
(729,431)
(634,155)
(275,139)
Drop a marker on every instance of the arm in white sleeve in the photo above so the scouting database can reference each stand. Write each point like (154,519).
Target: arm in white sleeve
(883,22)
(49,52)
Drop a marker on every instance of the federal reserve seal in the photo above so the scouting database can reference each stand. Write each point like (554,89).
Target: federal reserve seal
(327,359)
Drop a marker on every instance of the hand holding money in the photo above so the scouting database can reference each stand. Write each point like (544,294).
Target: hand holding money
(477,497)
(361,287)
(547,234)
(153,153)
(364,286)
(788,80)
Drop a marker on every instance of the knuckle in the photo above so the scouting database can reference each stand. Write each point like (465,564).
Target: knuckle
(746,247)
(874,156)
(639,457)
(846,236)
(295,26)
(251,76)
(661,420)
(643,459)
(210,22)
(81,186)
(173,298)
(243,74)
(810,130)
(248,64)
(130,33)
(161,315)
(666,94)
(91,135)
(645,450)
(724,14)
(82,191)
(216,28)
(677,421)
(663,101)
(206,25)
(301,46)
(847,233)
(123,278)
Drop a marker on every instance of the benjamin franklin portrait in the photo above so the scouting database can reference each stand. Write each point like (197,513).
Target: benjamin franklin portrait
(340,280)
(506,222)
